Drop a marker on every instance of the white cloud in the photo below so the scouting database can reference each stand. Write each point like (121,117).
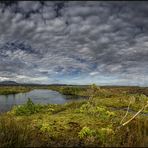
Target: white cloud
(94,73)
(88,39)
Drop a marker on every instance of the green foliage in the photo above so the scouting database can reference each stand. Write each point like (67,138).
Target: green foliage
(103,133)
(75,91)
(70,90)
(95,91)
(98,111)
(87,123)
(94,87)
(45,127)
(5,90)
(85,132)
(27,109)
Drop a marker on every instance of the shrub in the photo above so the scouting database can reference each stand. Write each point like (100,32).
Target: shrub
(95,91)
(70,90)
(27,109)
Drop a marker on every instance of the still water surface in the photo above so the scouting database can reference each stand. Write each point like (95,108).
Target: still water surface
(42,96)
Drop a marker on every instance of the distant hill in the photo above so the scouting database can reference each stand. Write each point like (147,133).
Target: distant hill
(8,83)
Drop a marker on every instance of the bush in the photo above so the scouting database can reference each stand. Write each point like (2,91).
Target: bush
(27,109)
(70,90)
(95,91)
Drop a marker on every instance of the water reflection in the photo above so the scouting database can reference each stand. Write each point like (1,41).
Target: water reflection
(37,96)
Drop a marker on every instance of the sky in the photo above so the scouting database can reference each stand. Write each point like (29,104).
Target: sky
(74,42)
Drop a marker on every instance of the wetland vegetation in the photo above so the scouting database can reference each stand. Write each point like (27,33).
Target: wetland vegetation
(93,122)
(5,90)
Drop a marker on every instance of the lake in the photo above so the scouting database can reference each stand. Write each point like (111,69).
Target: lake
(41,96)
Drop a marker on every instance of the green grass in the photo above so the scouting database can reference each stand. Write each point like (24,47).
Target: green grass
(85,123)
(6,90)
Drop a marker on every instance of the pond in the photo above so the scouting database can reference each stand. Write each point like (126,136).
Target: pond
(41,96)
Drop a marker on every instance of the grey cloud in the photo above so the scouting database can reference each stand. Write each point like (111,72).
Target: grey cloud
(76,39)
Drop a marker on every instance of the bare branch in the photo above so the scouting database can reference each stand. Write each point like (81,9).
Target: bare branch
(126,112)
(135,114)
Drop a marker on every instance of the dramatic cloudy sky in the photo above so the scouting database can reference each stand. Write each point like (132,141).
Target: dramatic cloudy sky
(74,42)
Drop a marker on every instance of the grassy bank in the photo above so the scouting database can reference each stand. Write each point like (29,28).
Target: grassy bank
(5,90)
(83,123)
(67,90)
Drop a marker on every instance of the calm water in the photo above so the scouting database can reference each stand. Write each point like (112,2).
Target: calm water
(37,96)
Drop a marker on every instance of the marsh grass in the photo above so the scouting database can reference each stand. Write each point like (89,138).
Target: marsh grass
(85,123)
(12,133)
(5,90)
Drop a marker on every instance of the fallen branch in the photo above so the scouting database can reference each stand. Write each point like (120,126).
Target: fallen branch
(126,112)
(135,114)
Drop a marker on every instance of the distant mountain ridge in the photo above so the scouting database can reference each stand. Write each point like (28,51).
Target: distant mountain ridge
(13,83)
(8,83)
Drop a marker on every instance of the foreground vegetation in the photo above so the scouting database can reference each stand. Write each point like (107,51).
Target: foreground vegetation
(90,123)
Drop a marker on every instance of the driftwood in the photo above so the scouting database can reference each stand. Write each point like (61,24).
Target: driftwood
(134,115)
(126,112)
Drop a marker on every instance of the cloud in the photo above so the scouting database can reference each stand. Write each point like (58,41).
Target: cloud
(74,42)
